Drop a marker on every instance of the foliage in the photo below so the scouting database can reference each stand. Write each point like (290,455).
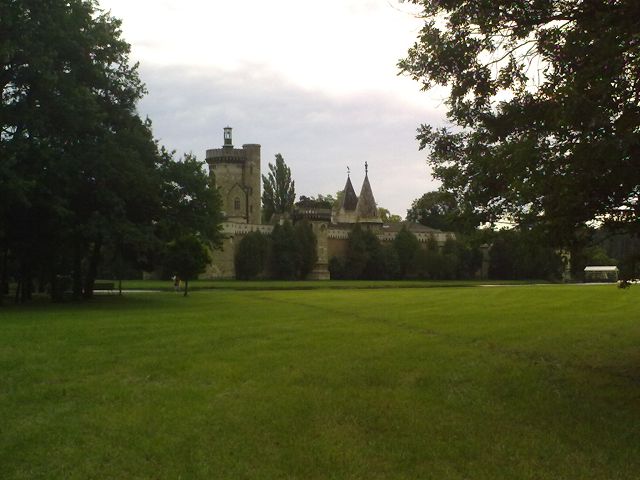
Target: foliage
(190,202)
(188,257)
(440,210)
(68,123)
(278,190)
(406,245)
(545,95)
(464,256)
(521,255)
(321,201)
(251,256)
(81,174)
(359,251)
(307,247)
(366,258)
(387,217)
(191,207)
(337,268)
(285,254)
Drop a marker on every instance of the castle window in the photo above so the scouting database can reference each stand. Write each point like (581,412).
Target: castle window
(236,203)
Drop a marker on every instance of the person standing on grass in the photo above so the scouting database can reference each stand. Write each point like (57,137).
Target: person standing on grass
(176,283)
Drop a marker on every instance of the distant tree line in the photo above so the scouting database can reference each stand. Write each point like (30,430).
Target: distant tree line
(368,259)
(289,253)
(81,177)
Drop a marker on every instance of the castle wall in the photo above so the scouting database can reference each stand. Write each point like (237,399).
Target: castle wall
(222,265)
(332,242)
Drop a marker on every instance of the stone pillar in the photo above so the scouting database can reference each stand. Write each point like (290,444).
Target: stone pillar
(321,269)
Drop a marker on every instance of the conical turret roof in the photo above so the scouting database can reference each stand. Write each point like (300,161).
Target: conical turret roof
(349,199)
(366,207)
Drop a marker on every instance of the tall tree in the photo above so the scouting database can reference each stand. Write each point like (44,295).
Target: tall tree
(546,99)
(307,246)
(285,254)
(68,92)
(278,189)
(406,245)
(80,170)
(191,214)
(251,255)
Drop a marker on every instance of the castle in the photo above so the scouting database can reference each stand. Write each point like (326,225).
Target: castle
(238,178)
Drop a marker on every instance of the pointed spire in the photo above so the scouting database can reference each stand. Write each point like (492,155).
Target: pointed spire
(349,199)
(366,209)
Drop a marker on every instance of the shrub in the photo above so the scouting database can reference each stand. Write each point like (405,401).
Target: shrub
(251,256)
(285,255)
(307,247)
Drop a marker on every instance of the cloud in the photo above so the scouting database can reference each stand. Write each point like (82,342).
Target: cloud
(318,134)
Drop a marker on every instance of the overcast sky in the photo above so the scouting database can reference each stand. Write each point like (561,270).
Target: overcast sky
(314,81)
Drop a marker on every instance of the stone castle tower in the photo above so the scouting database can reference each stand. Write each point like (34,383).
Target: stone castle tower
(237,176)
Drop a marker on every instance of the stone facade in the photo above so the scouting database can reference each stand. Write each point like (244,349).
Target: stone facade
(237,175)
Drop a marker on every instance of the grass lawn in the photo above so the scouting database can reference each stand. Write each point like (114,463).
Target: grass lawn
(520,382)
(167,285)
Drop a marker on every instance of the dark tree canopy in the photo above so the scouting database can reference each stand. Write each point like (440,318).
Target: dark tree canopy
(546,99)
(251,256)
(285,254)
(278,189)
(187,256)
(439,210)
(71,144)
(191,205)
(406,245)
(80,171)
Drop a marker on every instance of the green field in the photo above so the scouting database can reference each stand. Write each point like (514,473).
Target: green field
(517,382)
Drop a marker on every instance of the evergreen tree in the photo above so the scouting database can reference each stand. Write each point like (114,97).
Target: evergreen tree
(406,245)
(285,256)
(358,254)
(251,256)
(278,190)
(307,246)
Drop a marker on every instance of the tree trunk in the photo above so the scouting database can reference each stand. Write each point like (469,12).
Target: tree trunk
(56,288)
(4,278)
(93,269)
(77,271)
(18,285)
(23,294)
(186,287)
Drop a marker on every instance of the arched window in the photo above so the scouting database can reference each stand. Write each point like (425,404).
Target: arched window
(236,203)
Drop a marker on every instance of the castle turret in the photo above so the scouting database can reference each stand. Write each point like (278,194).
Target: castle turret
(347,211)
(366,209)
(237,176)
(228,143)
